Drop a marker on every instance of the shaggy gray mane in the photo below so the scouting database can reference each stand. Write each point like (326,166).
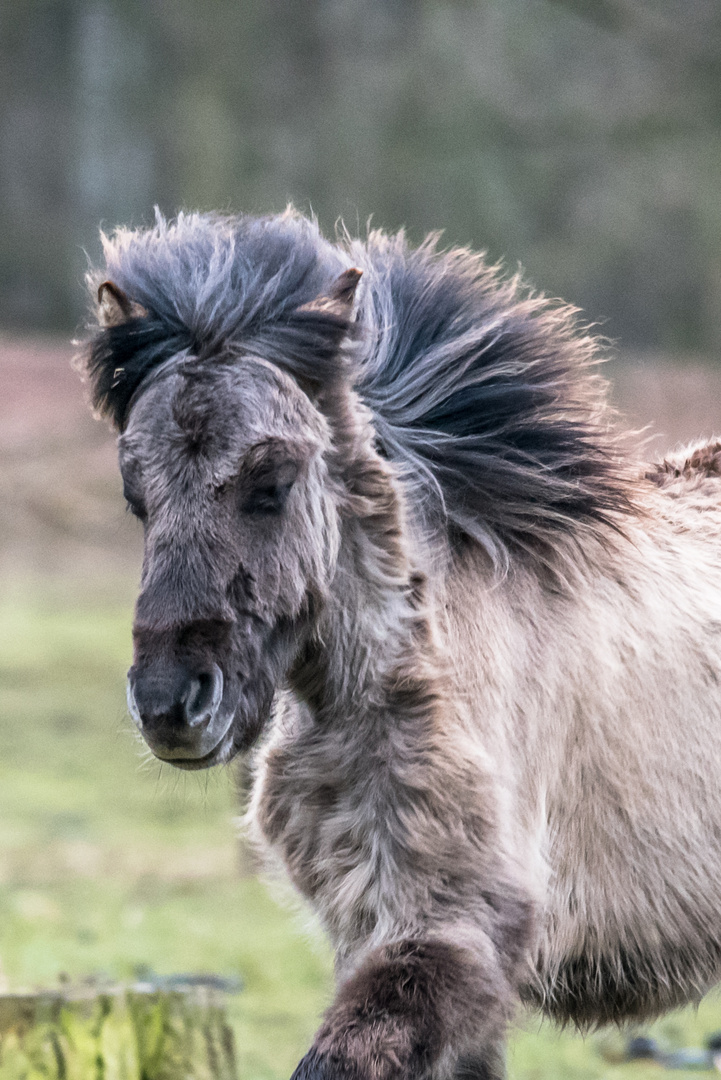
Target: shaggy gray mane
(483,395)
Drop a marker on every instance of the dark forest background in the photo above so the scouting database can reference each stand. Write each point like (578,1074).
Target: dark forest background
(579,138)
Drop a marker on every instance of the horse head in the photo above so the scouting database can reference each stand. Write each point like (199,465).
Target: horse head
(224,457)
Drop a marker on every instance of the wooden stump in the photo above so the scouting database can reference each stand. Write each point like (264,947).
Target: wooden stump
(137,1033)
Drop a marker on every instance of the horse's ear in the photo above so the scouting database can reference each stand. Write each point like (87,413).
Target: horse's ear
(115,307)
(338,300)
(315,333)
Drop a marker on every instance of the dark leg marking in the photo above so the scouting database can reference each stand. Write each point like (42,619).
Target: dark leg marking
(489,1066)
(393,1018)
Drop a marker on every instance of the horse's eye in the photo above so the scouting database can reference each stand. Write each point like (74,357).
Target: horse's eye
(269,494)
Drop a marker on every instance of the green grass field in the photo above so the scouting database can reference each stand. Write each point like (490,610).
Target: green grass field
(110,865)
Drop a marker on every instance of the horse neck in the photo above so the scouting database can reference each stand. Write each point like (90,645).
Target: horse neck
(373,657)
(375,635)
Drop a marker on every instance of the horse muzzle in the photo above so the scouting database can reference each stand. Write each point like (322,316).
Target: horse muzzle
(181,714)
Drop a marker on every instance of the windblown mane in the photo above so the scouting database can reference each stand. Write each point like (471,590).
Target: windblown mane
(483,395)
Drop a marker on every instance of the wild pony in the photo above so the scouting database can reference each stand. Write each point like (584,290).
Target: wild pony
(393,542)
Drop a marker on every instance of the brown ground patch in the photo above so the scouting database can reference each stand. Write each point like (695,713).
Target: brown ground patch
(680,401)
(61,510)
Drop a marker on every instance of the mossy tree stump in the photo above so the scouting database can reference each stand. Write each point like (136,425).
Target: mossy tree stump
(141,1033)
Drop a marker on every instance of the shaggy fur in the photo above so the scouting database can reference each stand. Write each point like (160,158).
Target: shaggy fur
(392,539)
(482,396)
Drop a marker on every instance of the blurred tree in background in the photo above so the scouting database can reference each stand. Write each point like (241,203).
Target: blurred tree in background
(581,138)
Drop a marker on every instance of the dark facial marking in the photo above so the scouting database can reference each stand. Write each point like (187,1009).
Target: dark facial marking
(194,407)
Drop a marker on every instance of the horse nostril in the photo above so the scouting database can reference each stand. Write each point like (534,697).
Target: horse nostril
(180,714)
(203,696)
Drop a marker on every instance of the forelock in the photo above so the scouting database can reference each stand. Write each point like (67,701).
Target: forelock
(209,286)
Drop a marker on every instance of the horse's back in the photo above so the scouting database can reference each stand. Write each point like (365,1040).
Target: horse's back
(695,467)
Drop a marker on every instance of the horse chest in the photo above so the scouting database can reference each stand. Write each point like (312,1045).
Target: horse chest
(314,807)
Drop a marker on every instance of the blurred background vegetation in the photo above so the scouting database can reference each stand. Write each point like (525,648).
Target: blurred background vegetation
(579,138)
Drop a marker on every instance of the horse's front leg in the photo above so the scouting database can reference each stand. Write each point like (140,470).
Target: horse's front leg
(412,1009)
